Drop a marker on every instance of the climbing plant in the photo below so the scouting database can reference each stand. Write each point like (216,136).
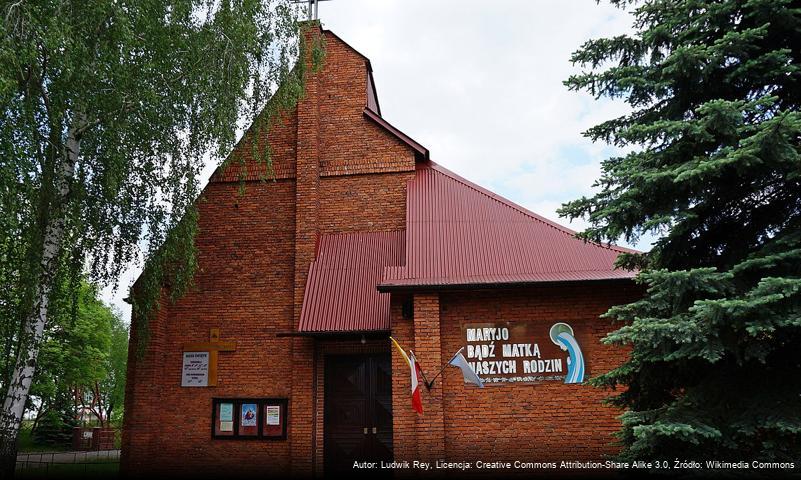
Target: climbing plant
(110,110)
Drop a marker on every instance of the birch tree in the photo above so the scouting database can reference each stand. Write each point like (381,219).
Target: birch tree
(109,108)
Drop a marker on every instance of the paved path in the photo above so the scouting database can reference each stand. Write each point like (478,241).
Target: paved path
(34,459)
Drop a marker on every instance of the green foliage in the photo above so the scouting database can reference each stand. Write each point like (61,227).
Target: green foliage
(151,89)
(715,172)
(84,353)
(76,347)
(112,387)
(54,429)
(26,442)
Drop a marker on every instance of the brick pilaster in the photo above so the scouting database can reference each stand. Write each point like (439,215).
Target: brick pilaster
(141,424)
(428,351)
(404,419)
(306,229)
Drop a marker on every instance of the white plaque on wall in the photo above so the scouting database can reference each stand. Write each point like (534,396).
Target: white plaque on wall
(273,415)
(195,372)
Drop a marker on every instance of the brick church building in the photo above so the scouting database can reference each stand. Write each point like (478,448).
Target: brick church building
(278,361)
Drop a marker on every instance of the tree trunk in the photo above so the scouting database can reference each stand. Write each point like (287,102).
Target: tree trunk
(20,385)
(42,411)
(97,401)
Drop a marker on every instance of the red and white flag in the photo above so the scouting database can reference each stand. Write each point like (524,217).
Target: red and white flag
(417,403)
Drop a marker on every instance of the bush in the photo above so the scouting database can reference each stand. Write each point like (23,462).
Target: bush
(54,429)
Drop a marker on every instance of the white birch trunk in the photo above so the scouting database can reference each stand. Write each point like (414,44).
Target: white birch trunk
(20,385)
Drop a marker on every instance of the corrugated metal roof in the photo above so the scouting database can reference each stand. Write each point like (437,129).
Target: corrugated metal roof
(341,290)
(458,233)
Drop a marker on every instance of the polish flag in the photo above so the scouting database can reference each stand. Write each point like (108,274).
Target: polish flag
(417,403)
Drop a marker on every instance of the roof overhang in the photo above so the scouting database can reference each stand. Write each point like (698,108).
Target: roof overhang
(340,295)
(357,334)
(412,287)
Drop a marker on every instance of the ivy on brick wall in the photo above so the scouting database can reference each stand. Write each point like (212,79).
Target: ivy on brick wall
(110,111)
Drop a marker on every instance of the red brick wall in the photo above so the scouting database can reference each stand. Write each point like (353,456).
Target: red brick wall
(244,287)
(306,211)
(363,203)
(254,254)
(338,172)
(349,142)
(428,352)
(529,422)
(404,419)
(141,427)
(546,421)
(282,152)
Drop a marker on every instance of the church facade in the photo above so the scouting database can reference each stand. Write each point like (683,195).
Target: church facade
(279,361)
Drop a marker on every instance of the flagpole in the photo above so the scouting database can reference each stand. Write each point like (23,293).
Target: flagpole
(425,380)
(430,385)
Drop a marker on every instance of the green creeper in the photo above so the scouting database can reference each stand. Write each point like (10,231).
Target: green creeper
(108,111)
(714,172)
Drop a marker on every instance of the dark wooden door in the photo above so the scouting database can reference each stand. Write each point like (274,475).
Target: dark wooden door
(358,410)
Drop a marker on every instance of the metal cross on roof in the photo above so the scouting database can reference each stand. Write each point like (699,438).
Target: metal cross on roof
(312,7)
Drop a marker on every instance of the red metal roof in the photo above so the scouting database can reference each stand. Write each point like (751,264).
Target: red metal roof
(341,290)
(458,233)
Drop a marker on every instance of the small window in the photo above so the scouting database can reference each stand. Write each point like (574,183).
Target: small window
(248,418)
(407,308)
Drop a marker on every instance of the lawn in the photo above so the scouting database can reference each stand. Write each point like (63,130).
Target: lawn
(25,443)
(98,468)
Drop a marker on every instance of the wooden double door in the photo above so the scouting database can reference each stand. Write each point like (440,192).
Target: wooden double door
(358,411)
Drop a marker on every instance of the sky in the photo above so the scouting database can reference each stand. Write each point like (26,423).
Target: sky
(479,83)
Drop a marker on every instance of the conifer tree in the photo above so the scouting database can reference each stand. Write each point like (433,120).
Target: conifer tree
(714,172)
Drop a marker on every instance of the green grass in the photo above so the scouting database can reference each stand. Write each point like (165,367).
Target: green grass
(25,443)
(98,468)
